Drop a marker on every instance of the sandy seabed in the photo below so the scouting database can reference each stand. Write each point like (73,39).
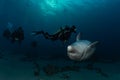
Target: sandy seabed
(19,70)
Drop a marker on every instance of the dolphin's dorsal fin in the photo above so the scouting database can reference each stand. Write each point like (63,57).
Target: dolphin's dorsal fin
(78,37)
(92,45)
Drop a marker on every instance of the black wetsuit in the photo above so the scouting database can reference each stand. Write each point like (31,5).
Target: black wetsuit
(17,35)
(62,34)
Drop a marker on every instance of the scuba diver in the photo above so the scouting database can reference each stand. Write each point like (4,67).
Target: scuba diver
(53,37)
(63,34)
(17,35)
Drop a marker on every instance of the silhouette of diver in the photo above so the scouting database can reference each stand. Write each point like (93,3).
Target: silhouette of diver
(17,35)
(63,34)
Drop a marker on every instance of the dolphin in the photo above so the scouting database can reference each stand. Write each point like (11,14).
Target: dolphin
(81,49)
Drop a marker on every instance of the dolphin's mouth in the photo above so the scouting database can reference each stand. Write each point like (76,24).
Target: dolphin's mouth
(72,51)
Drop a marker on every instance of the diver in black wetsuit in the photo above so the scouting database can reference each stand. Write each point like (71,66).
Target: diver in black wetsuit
(17,35)
(47,35)
(62,34)
(54,36)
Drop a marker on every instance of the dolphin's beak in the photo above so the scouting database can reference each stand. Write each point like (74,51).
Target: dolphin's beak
(70,49)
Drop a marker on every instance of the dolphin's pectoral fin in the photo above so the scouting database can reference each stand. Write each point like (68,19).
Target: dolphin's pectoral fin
(93,44)
(88,49)
(78,37)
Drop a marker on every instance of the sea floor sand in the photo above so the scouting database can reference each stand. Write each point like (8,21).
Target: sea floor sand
(19,70)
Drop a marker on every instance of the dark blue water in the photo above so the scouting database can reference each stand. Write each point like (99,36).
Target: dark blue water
(97,20)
